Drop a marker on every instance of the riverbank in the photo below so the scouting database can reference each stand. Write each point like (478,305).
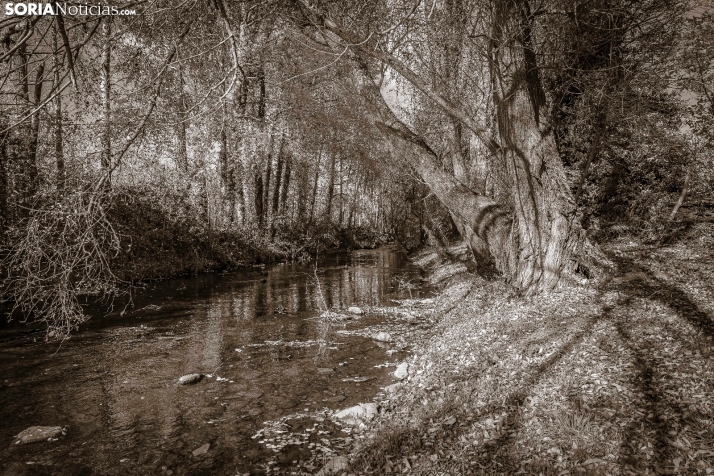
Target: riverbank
(617,380)
(157,244)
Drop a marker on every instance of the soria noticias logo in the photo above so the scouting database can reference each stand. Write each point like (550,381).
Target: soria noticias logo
(57,8)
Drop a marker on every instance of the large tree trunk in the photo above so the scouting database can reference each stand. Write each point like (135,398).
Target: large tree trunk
(547,234)
(532,236)
(531,241)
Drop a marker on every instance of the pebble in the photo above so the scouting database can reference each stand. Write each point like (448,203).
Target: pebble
(363,411)
(382,337)
(355,310)
(190,379)
(390,389)
(201,450)
(402,371)
(36,434)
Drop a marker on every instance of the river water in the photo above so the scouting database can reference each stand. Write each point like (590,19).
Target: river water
(274,373)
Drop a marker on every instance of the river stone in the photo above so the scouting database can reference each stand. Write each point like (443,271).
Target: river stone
(353,415)
(382,337)
(355,310)
(334,466)
(36,434)
(402,371)
(336,398)
(390,389)
(324,370)
(190,379)
(202,450)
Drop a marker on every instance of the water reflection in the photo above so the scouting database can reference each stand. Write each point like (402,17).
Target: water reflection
(254,333)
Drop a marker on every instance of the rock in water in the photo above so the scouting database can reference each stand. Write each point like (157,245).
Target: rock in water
(190,379)
(358,413)
(382,337)
(202,450)
(355,310)
(334,466)
(336,398)
(36,434)
(402,371)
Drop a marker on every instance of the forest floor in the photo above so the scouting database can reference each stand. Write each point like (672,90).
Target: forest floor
(616,380)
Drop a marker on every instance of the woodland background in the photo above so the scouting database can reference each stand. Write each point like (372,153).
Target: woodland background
(209,134)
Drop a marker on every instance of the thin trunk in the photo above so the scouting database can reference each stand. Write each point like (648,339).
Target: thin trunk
(259,198)
(261,99)
(331,188)
(353,205)
(58,138)
(32,167)
(301,198)
(458,157)
(23,171)
(182,152)
(266,187)
(205,202)
(4,212)
(278,180)
(276,188)
(241,199)
(342,197)
(313,197)
(285,185)
(227,178)
(682,195)
(106,142)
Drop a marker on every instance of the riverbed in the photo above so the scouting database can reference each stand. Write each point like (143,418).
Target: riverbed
(276,366)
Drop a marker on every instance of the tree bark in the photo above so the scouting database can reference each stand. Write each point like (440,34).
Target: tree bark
(547,235)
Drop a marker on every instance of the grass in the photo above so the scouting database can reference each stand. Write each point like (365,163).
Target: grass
(613,381)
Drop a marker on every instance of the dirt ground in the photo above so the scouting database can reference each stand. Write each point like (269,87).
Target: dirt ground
(614,380)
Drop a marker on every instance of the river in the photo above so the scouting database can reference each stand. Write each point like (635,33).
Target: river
(274,372)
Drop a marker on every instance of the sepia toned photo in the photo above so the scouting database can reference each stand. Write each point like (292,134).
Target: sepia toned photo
(351,238)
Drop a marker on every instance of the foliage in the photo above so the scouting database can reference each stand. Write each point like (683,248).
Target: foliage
(61,253)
